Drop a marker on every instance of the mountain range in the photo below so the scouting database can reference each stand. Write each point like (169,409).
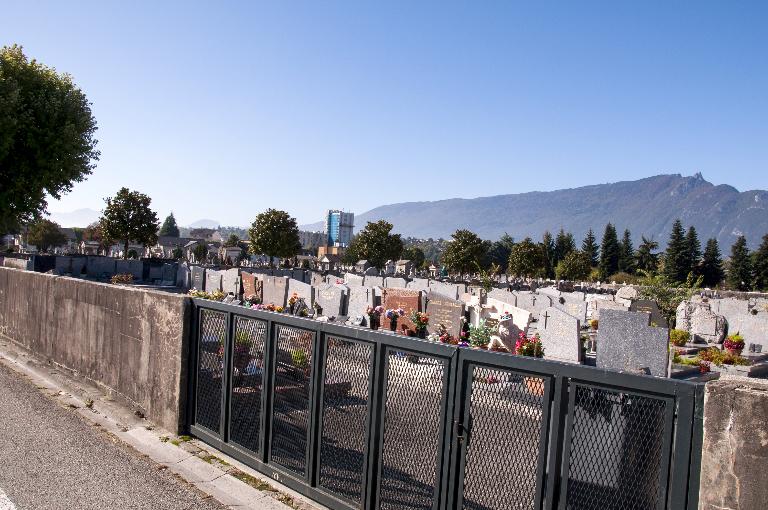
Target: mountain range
(647,207)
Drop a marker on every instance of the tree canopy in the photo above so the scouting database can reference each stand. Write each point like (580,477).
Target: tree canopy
(740,266)
(46,137)
(274,233)
(575,266)
(415,255)
(169,227)
(677,264)
(128,217)
(45,234)
(609,252)
(377,244)
(712,264)
(465,252)
(527,259)
(760,265)
(645,258)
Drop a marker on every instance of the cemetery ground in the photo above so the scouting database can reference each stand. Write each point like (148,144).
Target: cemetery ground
(65,443)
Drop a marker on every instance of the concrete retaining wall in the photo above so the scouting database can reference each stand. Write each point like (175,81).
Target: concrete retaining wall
(734,464)
(129,340)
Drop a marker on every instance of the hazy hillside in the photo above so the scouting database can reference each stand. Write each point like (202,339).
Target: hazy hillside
(647,206)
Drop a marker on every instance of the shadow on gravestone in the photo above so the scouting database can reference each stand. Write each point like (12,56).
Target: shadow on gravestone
(626,342)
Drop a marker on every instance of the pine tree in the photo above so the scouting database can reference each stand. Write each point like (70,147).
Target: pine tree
(548,245)
(676,263)
(627,254)
(609,252)
(712,264)
(760,265)
(694,250)
(169,227)
(740,267)
(589,246)
(564,244)
(645,259)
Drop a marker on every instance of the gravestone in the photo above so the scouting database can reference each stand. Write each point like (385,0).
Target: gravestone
(183,276)
(707,326)
(63,265)
(604,304)
(573,307)
(503,295)
(100,266)
(78,264)
(446,311)
(353,280)
(358,301)
(132,267)
(316,279)
(520,317)
(275,290)
(371,271)
(373,281)
(408,300)
(299,274)
(451,290)
(398,283)
(626,295)
(525,300)
(198,277)
(212,280)
(650,306)
(626,342)
(302,290)
(418,284)
(252,286)
(230,281)
(155,273)
(330,298)
(549,291)
(169,272)
(560,335)
(754,329)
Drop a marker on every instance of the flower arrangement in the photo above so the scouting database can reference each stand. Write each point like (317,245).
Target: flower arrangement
(420,321)
(122,279)
(714,356)
(480,335)
(268,308)
(300,359)
(593,324)
(374,312)
(293,299)
(679,337)
(734,343)
(394,313)
(216,295)
(529,346)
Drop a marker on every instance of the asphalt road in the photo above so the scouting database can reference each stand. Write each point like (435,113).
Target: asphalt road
(51,459)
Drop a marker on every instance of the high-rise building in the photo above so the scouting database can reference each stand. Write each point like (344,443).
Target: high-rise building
(338,228)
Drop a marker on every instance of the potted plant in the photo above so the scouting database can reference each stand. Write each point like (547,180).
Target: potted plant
(300,361)
(420,321)
(593,324)
(531,347)
(292,302)
(393,314)
(374,316)
(734,344)
(241,355)
(480,335)
(679,337)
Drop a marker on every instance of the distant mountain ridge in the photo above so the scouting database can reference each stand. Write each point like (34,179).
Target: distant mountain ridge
(647,207)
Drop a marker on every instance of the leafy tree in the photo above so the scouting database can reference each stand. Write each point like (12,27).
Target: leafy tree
(275,234)
(667,294)
(201,233)
(645,258)
(232,240)
(548,245)
(609,252)
(527,259)
(576,266)
(415,255)
(201,253)
(677,265)
(351,254)
(589,246)
(499,252)
(377,244)
(626,254)
(740,267)
(177,253)
(564,244)
(712,265)
(45,234)
(760,265)
(46,137)
(693,250)
(465,252)
(93,232)
(128,217)
(169,227)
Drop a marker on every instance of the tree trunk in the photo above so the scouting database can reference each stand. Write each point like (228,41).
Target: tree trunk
(125,250)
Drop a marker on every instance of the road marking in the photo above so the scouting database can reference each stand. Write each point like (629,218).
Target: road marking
(5,503)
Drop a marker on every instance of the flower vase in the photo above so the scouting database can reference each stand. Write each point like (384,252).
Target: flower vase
(393,325)
(373,322)
(421,333)
(735,352)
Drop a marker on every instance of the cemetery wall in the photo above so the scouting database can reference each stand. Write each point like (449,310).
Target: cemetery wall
(734,472)
(128,340)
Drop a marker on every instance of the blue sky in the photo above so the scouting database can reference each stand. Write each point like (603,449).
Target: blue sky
(220,111)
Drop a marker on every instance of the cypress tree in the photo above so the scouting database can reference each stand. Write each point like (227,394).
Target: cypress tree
(626,254)
(760,265)
(548,245)
(589,246)
(712,264)
(169,227)
(740,267)
(694,250)
(609,252)
(644,257)
(564,245)
(676,263)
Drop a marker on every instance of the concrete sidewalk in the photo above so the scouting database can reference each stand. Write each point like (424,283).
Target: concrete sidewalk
(65,443)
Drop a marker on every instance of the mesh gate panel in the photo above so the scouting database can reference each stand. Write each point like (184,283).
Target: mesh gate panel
(290,420)
(213,332)
(412,418)
(247,380)
(503,449)
(345,413)
(616,450)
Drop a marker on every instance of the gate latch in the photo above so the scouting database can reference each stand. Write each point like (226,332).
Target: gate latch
(458,429)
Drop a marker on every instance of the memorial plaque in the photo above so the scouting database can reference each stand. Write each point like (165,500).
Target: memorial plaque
(408,300)
(650,306)
(252,286)
(275,290)
(360,298)
(330,298)
(212,280)
(302,290)
(230,281)
(560,335)
(445,311)
(393,282)
(198,278)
